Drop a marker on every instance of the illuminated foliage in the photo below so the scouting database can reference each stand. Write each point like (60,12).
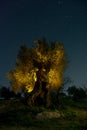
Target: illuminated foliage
(50,56)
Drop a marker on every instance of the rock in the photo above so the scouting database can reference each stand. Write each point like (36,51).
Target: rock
(48,115)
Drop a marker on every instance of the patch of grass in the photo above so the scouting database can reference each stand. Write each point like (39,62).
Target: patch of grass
(16,116)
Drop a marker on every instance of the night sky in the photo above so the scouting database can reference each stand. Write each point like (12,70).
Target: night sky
(23,21)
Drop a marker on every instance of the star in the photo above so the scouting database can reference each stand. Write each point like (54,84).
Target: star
(60,2)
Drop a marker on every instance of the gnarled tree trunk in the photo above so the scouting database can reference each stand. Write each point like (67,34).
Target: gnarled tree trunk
(41,92)
(40,95)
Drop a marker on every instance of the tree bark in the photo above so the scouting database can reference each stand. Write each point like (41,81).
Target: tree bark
(41,92)
(40,95)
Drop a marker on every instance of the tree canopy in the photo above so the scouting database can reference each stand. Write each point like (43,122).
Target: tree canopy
(50,56)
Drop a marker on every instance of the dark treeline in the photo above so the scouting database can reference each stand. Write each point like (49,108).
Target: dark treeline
(77,93)
(6,93)
(74,92)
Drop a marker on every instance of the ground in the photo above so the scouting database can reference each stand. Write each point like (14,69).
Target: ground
(16,116)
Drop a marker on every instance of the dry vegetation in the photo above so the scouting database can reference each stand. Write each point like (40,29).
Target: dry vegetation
(14,116)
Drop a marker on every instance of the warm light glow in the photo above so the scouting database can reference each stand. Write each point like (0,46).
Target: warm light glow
(55,79)
(23,80)
(24,74)
(29,88)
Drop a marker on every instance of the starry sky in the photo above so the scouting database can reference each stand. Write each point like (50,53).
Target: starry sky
(23,21)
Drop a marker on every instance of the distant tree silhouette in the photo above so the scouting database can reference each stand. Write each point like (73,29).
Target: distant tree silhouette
(5,92)
(38,70)
(14,95)
(76,93)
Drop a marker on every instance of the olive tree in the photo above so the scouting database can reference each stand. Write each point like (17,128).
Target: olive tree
(38,70)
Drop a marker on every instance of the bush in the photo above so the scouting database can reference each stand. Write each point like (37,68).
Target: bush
(76,93)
